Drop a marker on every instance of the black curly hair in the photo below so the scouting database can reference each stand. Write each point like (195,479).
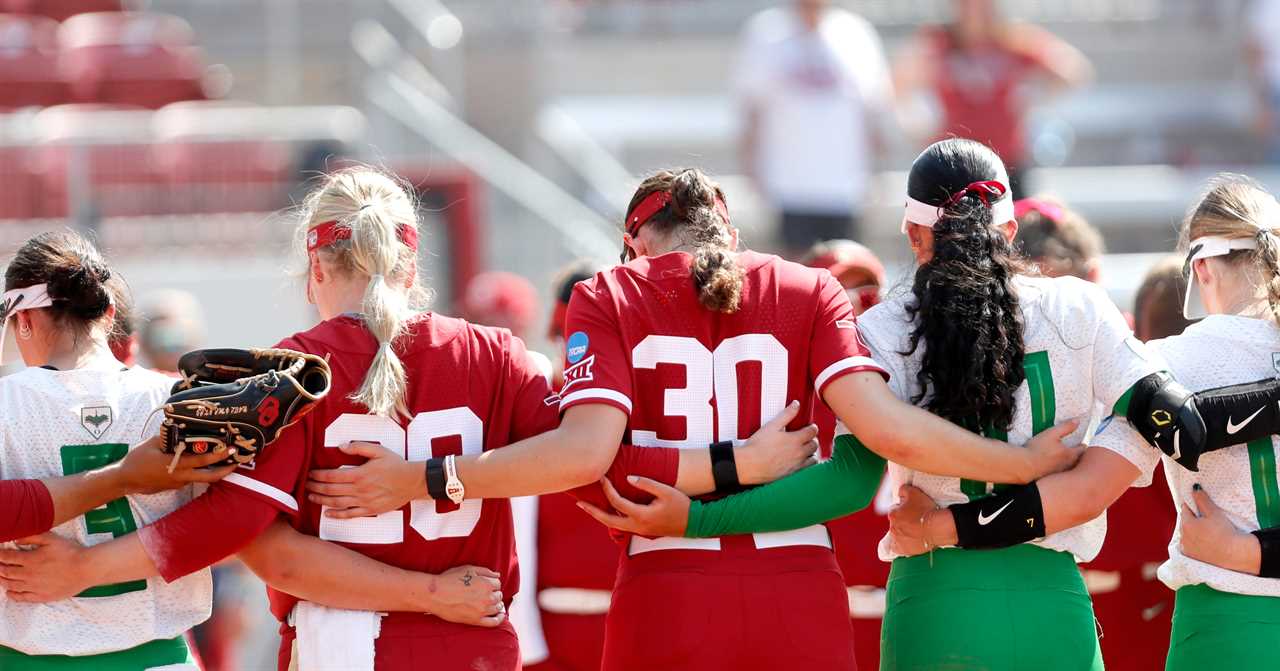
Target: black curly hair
(965,311)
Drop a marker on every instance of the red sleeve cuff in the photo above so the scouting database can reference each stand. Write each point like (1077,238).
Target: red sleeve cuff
(853,364)
(28,509)
(606,396)
(261,491)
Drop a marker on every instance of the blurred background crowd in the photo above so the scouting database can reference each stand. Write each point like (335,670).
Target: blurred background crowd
(179,132)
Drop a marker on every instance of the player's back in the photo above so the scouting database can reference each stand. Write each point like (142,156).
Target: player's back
(1079,359)
(470,389)
(689,376)
(55,423)
(1242,478)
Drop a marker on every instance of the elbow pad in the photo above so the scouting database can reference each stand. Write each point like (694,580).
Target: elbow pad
(1164,412)
(1185,425)
(1009,517)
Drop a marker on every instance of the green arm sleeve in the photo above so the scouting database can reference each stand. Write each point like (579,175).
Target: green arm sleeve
(844,484)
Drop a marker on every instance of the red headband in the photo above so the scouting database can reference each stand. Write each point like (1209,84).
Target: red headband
(653,204)
(329,232)
(1050,211)
(986,191)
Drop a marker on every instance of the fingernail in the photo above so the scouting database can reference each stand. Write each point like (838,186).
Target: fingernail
(1196,487)
(633,479)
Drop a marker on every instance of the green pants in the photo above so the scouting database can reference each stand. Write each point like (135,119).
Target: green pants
(145,656)
(1014,609)
(1220,630)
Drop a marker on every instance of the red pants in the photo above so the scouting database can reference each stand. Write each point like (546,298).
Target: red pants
(783,608)
(575,642)
(409,641)
(1135,622)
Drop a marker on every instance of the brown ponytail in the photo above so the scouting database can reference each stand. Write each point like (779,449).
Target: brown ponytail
(693,215)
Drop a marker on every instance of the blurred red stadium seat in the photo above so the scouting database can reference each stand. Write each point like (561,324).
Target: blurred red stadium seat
(18,187)
(103,149)
(60,10)
(130,58)
(29,73)
(235,168)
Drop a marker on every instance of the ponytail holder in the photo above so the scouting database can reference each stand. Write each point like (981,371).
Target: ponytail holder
(384,346)
(987,191)
(377,277)
(1046,209)
(990,192)
(655,202)
(329,232)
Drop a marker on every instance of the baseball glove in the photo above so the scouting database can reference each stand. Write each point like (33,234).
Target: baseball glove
(240,399)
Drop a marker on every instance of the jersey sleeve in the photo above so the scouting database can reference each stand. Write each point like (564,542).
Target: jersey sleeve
(597,368)
(1115,434)
(842,485)
(835,348)
(1119,359)
(534,406)
(214,526)
(28,509)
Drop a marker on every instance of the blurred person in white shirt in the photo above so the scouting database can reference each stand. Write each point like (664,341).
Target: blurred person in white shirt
(813,85)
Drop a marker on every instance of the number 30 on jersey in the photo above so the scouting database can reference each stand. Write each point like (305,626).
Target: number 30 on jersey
(388,528)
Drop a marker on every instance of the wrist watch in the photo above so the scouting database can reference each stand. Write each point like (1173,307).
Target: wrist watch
(452,485)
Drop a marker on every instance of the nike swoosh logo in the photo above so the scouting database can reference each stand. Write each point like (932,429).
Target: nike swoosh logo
(1233,428)
(984,520)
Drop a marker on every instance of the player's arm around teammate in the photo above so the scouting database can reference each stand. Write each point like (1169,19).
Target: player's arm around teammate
(587,439)
(36,505)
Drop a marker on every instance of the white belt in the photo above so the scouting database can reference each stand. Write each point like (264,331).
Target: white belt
(866,602)
(813,535)
(574,601)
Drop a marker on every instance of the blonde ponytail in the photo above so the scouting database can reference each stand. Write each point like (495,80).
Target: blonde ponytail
(1269,255)
(375,208)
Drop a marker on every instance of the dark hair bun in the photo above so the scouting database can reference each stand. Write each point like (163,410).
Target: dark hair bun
(81,289)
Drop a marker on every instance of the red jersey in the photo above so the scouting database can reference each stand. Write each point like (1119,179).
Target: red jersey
(979,91)
(640,341)
(470,389)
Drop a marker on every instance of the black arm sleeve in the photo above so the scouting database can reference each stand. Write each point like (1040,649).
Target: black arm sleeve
(1184,425)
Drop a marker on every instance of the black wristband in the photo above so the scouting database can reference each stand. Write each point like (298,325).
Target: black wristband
(724,470)
(1269,539)
(436,480)
(1004,519)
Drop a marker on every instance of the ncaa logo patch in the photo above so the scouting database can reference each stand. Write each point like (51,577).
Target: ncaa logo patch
(96,419)
(576,347)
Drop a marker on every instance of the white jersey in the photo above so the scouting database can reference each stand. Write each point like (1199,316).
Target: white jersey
(1080,359)
(1220,350)
(55,423)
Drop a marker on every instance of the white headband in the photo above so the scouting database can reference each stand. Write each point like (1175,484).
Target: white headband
(24,298)
(1205,248)
(17,300)
(923,214)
